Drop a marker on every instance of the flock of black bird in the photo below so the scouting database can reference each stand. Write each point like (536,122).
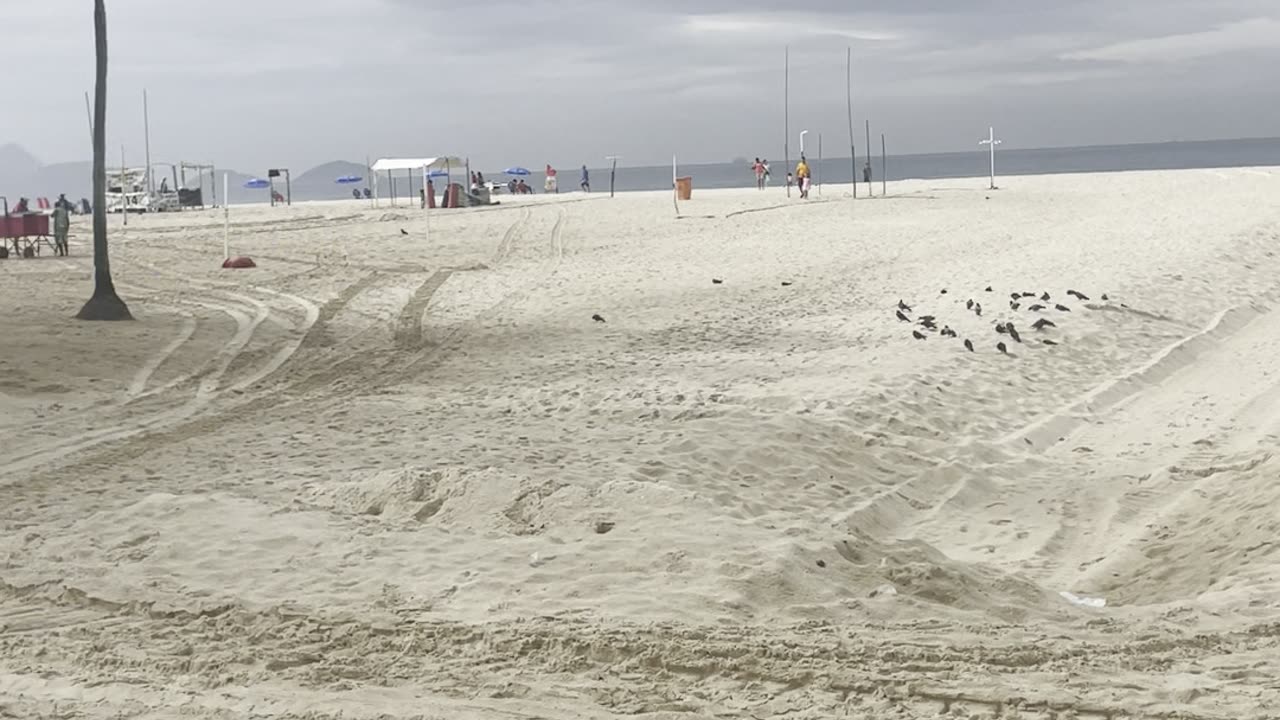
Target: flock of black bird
(1034,303)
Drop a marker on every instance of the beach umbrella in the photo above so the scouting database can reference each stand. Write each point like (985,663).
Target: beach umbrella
(517,171)
(257,184)
(348,179)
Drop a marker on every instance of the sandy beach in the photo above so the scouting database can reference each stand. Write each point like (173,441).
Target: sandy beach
(398,470)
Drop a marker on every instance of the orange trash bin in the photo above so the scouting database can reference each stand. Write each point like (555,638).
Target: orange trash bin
(684,188)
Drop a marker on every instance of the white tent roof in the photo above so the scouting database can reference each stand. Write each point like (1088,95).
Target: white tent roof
(434,163)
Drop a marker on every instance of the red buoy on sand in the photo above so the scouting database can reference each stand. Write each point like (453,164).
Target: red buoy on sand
(240,261)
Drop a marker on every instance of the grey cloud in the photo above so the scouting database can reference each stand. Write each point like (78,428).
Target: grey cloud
(305,81)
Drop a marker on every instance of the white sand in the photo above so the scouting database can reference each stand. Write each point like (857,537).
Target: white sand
(408,476)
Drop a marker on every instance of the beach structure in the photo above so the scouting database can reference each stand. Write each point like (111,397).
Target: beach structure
(411,167)
(127,192)
(276,197)
(190,196)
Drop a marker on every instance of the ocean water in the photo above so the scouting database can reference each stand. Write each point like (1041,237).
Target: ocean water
(1108,158)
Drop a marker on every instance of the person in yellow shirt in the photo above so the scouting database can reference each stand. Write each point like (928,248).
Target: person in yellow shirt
(802,177)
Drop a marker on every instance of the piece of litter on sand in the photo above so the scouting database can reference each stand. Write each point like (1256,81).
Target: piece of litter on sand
(885,590)
(1083,601)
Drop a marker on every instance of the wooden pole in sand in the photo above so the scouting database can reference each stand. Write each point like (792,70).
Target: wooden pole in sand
(848,94)
(124,192)
(819,163)
(613,171)
(884,168)
(870,192)
(786,114)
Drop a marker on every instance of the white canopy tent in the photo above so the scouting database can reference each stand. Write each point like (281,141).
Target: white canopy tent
(425,165)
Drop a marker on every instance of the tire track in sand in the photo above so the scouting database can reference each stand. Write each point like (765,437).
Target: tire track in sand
(210,380)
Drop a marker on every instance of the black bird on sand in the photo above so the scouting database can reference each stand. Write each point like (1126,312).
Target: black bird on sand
(1013,305)
(944,291)
(977,309)
(904,306)
(968,344)
(917,334)
(969,305)
(901,317)
(1000,328)
(1001,347)
(1047,341)
(1061,308)
(1104,297)
(786,283)
(1078,295)
(1015,296)
(989,289)
(1045,297)
(929,324)
(717,281)
(1043,323)
(1028,294)
(1013,333)
(1036,308)
(947,331)
(403,231)
(598,317)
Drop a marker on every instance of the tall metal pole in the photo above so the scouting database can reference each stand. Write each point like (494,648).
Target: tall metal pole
(884,168)
(848,90)
(786,114)
(89,111)
(146,136)
(870,193)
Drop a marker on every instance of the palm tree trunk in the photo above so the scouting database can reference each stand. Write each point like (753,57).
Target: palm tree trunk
(104,304)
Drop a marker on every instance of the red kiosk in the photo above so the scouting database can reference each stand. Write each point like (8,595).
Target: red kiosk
(23,230)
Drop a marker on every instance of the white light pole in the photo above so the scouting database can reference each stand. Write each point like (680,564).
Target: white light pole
(993,142)
(802,134)
(226,216)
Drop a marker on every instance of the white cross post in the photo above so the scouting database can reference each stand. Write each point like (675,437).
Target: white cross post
(993,142)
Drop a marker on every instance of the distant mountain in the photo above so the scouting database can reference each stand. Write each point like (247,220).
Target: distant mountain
(320,183)
(16,162)
(23,175)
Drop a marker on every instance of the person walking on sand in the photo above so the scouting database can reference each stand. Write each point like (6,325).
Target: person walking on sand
(802,177)
(550,185)
(758,169)
(767,175)
(61,225)
(586,180)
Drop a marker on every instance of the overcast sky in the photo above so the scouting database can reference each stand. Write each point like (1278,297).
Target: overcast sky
(249,84)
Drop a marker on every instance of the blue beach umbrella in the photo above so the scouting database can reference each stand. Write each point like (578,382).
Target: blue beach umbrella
(348,179)
(257,184)
(517,171)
